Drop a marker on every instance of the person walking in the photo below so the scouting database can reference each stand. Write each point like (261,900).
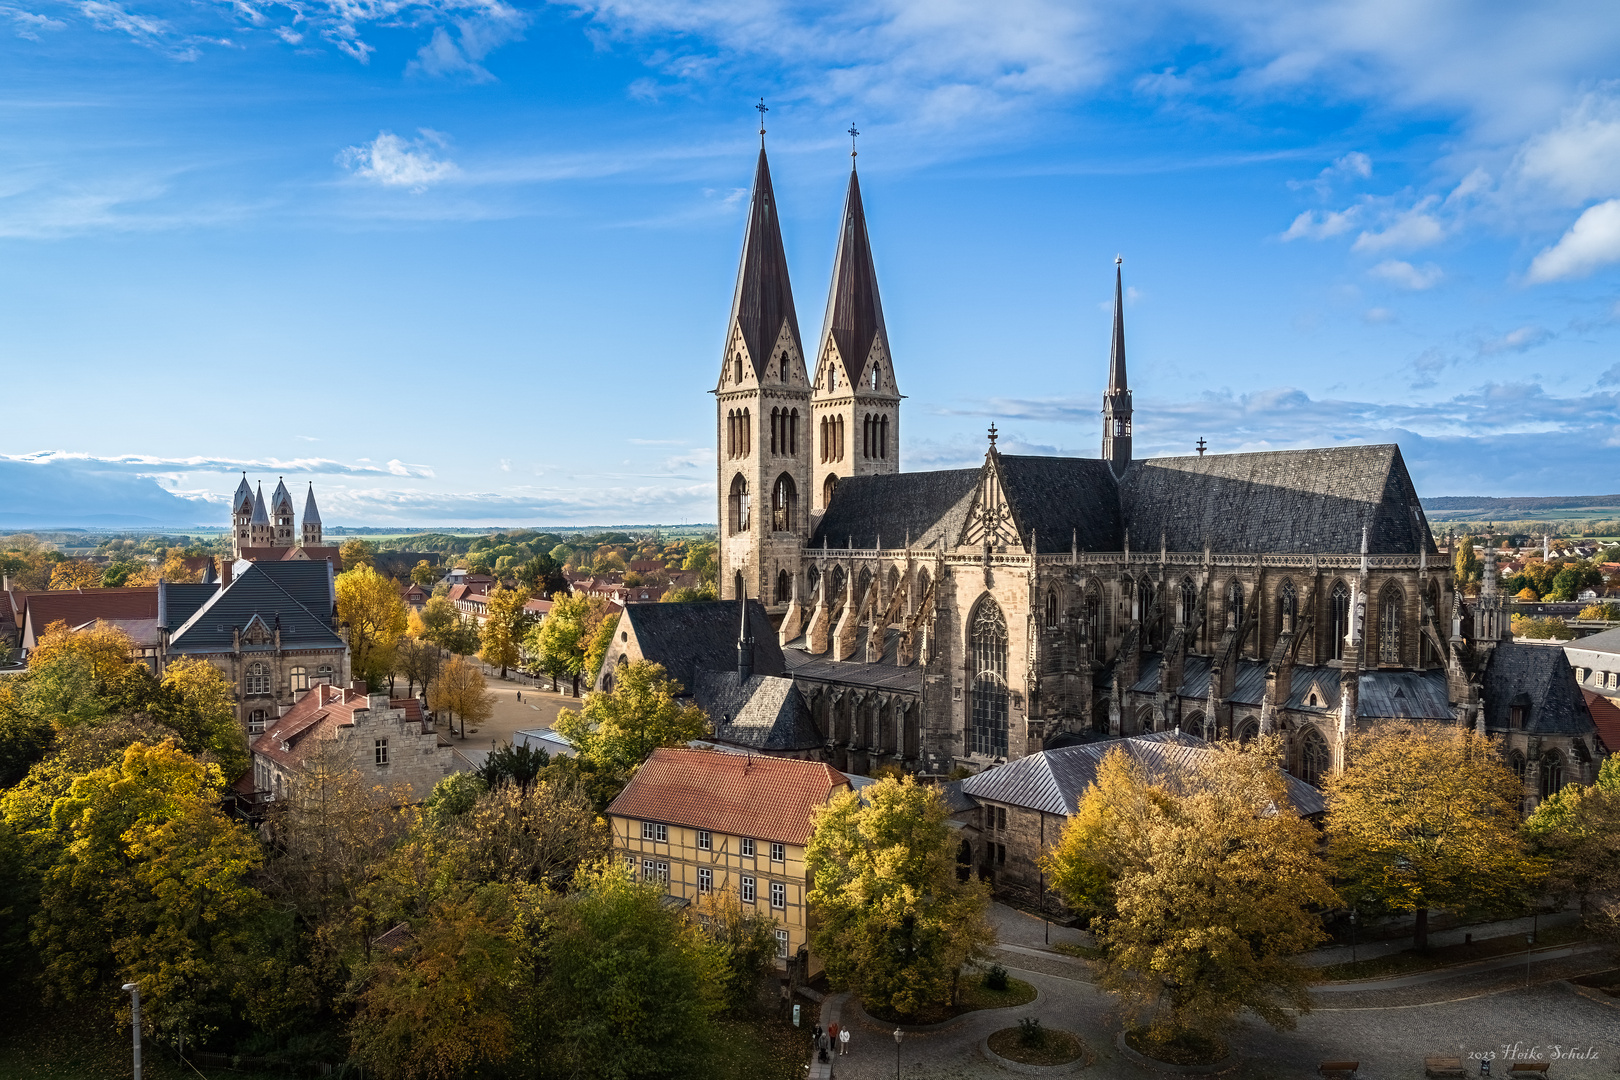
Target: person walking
(832,1034)
(843,1041)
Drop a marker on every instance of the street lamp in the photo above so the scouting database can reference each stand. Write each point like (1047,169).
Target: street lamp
(1352,935)
(898,1036)
(134,991)
(1529,939)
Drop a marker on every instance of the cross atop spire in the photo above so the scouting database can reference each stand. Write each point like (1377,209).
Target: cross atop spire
(762,111)
(853,134)
(992,433)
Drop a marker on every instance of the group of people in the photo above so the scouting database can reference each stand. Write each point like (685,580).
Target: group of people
(832,1037)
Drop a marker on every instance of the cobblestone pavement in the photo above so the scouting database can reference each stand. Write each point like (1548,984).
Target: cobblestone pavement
(1389,1032)
(538,709)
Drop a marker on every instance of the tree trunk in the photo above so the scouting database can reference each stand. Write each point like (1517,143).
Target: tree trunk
(503,671)
(1420,931)
(576,684)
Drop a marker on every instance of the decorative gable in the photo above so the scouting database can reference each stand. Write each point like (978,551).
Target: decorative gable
(990,523)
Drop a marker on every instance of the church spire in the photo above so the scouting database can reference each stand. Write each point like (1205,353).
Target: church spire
(764,298)
(1116,444)
(854,320)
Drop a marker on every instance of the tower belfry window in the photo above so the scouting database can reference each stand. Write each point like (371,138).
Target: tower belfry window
(737,369)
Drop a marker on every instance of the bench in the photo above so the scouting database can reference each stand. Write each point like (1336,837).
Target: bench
(1338,1070)
(1444,1067)
(1528,1068)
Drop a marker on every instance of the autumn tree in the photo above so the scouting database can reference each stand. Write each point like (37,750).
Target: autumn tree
(542,576)
(617,729)
(1466,565)
(355,552)
(746,940)
(460,691)
(1206,893)
(1576,832)
(536,834)
(423,573)
(370,608)
(418,661)
(704,559)
(572,638)
(893,922)
(1427,817)
(75,574)
(436,622)
(504,626)
(199,703)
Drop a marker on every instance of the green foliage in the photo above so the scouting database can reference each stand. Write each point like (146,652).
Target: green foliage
(1548,629)
(1030,1032)
(454,796)
(747,943)
(1466,565)
(893,922)
(1576,833)
(512,764)
(1606,612)
(572,640)
(703,558)
(995,978)
(617,729)
(690,594)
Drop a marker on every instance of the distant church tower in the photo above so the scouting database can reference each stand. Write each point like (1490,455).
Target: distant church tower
(857,401)
(261,532)
(1116,444)
(312,520)
(762,416)
(281,514)
(242,516)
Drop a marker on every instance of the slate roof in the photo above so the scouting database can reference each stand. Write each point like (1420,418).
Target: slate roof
(764,297)
(1418,695)
(243,499)
(1063,501)
(1539,678)
(298,593)
(1054,781)
(765,713)
(885,674)
(930,507)
(854,311)
(281,498)
(179,601)
(260,516)
(312,516)
(1606,718)
(767,798)
(1280,502)
(702,636)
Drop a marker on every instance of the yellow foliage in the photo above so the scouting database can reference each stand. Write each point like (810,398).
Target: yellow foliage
(103,648)
(75,574)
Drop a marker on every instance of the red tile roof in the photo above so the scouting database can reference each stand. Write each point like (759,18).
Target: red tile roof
(763,797)
(77,608)
(316,715)
(1606,717)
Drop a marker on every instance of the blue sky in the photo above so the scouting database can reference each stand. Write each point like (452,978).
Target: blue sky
(465,261)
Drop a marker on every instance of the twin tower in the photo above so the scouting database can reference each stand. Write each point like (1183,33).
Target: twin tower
(788,430)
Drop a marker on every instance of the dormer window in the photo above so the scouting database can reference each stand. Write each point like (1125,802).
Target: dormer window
(1516,717)
(1312,701)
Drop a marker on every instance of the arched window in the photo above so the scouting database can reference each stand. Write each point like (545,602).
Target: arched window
(793,432)
(1552,773)
(1051,609)
(1234,604)
(784,504)
(737,370)
(1287,607)
(299,678)
(893,584)
(258,680)
(866,436)
(1193,724)
(840,438)
(835,584)
(1432,605)
(1339,618)
(1313,757)
(874,376)
(784,586)
(256,720)
(1248,730)
(863,585)
(738,504)
(1189,601)
(737,586)
(776,423)
(813,577)
(747,433)
(1094,621)
(922,584)
(988,647)
(822,431)
(1389,625)
(1517,764)
(827,489)
(784,372)
(323,674)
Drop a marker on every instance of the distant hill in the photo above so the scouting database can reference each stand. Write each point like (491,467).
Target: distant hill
(1521,503)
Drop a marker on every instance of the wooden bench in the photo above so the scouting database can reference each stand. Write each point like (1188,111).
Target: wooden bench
(1338,1070)
(1444,1067)
(1528,1068)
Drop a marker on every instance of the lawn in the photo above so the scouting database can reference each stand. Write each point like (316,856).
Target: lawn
(972,996)
(1410,961)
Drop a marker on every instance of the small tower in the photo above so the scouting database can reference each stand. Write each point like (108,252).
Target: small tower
(281,514)
(261,532)
(1116,444)
(745,645)
(857,401)
(312,520)
(242,516)
(762,417)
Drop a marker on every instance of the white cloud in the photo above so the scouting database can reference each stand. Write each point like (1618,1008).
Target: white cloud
(477,35)
(1408,276)
(26,24)
(152,464)
(1579,159)
(1593,241)
(1319,225)
(1412,228)
(1354,166)
(393,162)
(1516,341)
(1378,316)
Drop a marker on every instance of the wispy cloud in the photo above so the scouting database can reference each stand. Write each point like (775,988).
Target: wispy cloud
(393,162)
(147,464)
(1407,276)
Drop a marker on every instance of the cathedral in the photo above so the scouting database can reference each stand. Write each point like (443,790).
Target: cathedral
(265,532)
(963,618)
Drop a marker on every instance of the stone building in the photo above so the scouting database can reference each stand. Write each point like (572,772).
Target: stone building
(266,531)
(960,618)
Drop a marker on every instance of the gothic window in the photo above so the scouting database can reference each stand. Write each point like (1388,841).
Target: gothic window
(299,678)
(784,587)
(1552,773)
(1339,617)
(784,504)
(747,434)
(776,422)
(922,585)
(814,578)
(988,645)
(1144,601)
(1051,610)
(827,490)
(838,438)
(1430,657)
(863,585)
(835,586)
(1313,757)
(883,436)
(784,374)
(793,432)
(1247,730)
(874,376)
(832,377)
(1189,601)
(737,588)
(736,375)
(1094,623)
(822,430)
(1389,625)
(1287,607)
(1194,724)
(1234,604)
(1516,763)
(738,504)
(258,680)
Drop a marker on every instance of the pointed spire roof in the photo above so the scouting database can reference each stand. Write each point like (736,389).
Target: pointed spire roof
(312,516)
(764,297)
(243,496)
(1116,355)
(209,577)
(260,516)
(281,497)
(854,311)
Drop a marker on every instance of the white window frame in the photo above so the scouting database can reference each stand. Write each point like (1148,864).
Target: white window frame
(662,869)
(779,853)
(379,750)
(258,680)
(648,869)
(778,896)
(705,880)
(748,847)
(705,840)
(646,830)
(781,943)
(747,889)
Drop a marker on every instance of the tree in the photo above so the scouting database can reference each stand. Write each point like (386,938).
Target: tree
(200,704)
(747,943)
(370,607)
(504,626)
(1207,893)
(424,574)
(419,662)
(459,691)
(518,765)
(1466,564)
(569,633)
(1600,612)
(542,576)
(75,574)
(1527,594)
(438,619)
(1548,629)
(355,553)
(538,834)
(704,559)
(617,729)
(172,568)
(893,922)
(689,594)
(1427,817)
(1576,832)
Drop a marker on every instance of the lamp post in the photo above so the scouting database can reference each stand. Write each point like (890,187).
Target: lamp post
(898,1036)
(134,991)
(1352,935)
(1529,939)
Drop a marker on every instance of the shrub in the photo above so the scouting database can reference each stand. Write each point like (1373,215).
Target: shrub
(1030,1032)
(995,978)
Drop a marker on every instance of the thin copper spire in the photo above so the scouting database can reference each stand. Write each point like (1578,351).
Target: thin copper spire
(762,111)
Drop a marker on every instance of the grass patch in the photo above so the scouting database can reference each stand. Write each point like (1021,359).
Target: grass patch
(1055,1048)
(1176,1047)
(769,1049)
(1410,961)
(1082,952)
(974,995)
